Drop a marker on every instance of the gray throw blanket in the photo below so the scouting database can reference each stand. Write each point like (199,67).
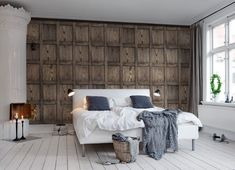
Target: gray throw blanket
(160,132)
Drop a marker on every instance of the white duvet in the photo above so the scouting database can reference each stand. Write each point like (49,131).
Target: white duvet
(118,119)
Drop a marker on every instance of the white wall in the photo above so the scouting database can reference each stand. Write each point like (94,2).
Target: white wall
(218,117)
(13,30)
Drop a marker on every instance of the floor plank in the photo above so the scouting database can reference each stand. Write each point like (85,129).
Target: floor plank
(29,158)
(40,157)
(19,157)
(10,155)
(62,157)
(5,148)
(64,153)
(50,161)
(73,163)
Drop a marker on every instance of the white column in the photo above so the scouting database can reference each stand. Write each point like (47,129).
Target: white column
(13,31)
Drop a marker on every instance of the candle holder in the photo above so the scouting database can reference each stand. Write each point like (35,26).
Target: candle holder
(22,137)
(16,139)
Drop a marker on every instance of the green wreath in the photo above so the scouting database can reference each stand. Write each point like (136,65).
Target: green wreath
(214,90)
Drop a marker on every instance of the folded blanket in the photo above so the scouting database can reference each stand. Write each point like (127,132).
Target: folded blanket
(160,132)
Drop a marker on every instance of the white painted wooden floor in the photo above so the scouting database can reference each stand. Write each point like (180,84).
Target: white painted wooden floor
(63,152)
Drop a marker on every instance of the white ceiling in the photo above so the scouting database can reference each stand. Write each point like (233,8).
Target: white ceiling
(179,12)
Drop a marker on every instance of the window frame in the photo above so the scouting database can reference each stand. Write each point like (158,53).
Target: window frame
(209,51)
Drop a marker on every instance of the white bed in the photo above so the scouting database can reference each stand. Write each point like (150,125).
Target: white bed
(186,129)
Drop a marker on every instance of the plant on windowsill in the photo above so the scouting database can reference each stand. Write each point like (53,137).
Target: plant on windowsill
(215,83)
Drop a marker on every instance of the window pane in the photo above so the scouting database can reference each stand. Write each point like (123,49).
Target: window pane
(232,31)
(232,73)
(218,36)
(219,68)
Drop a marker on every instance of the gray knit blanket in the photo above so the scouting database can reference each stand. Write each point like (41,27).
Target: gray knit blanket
(160,132)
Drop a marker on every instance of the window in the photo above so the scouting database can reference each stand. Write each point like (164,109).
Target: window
(221,56)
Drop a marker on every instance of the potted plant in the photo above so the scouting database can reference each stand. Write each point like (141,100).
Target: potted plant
(215,83)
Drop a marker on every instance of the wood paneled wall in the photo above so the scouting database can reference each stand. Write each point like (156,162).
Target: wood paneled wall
(74,54)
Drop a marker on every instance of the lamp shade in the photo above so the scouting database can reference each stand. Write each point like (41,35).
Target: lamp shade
(157,93)
(70,92)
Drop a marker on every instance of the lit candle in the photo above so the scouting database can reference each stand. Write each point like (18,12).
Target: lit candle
(16,116)
(22,117)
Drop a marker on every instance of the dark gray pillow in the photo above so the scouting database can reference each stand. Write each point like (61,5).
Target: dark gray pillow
(97,103)
(139,101)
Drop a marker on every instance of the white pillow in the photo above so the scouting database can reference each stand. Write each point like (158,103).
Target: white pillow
(111,102)
(123,102)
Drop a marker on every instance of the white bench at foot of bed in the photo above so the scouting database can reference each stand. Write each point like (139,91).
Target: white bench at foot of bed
(185,131)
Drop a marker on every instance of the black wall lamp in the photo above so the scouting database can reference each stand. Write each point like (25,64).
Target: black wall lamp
(70,92)
(157,93)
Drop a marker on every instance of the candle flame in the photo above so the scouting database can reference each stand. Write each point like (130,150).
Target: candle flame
(22,117)
(16,116)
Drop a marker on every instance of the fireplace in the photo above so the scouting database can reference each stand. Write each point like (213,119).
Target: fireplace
(27,110)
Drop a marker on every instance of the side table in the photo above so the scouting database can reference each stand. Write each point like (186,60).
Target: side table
(9,129)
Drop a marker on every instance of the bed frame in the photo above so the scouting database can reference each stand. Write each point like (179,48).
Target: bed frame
(185,131)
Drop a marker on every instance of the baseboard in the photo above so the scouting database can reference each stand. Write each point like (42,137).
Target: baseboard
(210,130)
(45,128)
(40,128)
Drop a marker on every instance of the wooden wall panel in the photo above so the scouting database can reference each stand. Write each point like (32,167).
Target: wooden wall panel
(33,52)
(184,38)
(171,56)
(49,32)
(48,53)
(97,34)
(65,111)
(63,94)
(49,73)
(172,75)
(33,32)
(49,113)
(113,55)
(143,75)
(65,73)
(97,74)
(66,53)
(81,33)
(65,33)
(157,56)
(33,93)
(128,55)
(128,36)
(114,74)
(73,54)
(185,73)
(171,38)
(184,55)
(81,54)
(173,93)
(33,72)
(97,54)
(158,76)
(143,56)
(143,36)
(49,93)
(112,35)
(128,74)
(81,74)
(158,37)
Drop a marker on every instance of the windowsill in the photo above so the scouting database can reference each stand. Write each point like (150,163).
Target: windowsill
(218,104)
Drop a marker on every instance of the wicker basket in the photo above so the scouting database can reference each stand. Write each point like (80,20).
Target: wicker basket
(122,150)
